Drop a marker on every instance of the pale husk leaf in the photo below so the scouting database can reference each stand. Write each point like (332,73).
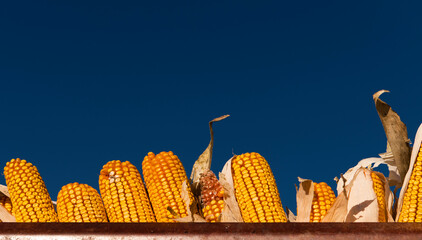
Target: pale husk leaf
(362,203)
(415,151)
(394,178)
(338,210)
(357,201)
(231,211)
(364,163)
(396,133)
(304,197)
(203,163)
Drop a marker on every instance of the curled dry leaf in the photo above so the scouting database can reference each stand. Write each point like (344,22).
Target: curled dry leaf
(396,133)
(204,161)
(231,211)
(415,151)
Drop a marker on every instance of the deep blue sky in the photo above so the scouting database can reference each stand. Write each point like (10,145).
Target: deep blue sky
(86,83)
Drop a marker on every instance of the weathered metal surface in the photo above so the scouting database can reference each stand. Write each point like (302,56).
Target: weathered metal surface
(226,231)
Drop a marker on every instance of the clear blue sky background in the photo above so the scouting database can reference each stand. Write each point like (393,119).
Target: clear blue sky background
(86,83)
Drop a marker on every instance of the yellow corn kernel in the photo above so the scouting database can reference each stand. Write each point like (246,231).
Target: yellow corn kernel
(124,194)
(256,190)
(164,175)
(379,189)
(30,199)
(78,202)
(323,200)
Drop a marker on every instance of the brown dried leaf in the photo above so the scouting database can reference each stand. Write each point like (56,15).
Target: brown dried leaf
(396,133)
(304,197)
(290,215)
(204,161)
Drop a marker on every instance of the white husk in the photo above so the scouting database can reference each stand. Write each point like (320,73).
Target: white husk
(362,205)
(415,150)
(357,201)
(367,163)
(304,197)
(231,211)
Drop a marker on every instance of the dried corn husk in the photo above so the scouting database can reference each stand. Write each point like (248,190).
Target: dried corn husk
(204,161)
(304,197)
(357,200)
(397,137)
(417,144)
(231,211)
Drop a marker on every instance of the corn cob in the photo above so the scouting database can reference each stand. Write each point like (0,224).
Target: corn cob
(379,190)
(255,189)
(412,205)
(6,203)
(80,203)
(30,199)
(124,194)
(323,200)
(212,194)
(164,175)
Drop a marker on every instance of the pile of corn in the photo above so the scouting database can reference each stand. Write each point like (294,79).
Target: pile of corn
(245,191)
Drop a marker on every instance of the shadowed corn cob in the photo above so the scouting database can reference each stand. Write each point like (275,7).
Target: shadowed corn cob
(323,199)
(80,203)
(164,175)
(380,192)
(255,189)
(412,205)
(124,194)
(6,203)
(212,194)
(30,199)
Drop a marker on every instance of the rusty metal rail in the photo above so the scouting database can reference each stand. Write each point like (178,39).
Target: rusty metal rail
(226,231)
